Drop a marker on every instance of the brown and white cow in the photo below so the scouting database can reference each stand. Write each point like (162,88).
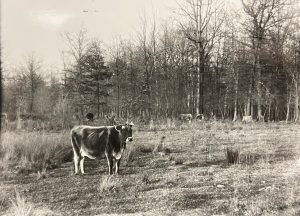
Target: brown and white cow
(95,142)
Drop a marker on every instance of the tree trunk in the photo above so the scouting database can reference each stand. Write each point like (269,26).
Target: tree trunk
(201,81)
(118,102)
(249,99)
(289,96)
(258,88)
(296,108)
(198,84)
(236,86)
(19,123)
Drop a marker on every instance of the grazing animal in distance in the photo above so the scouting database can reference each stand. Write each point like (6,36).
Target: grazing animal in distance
(247,119)
(90,116)
(186,117)
(97,142)
(200,117)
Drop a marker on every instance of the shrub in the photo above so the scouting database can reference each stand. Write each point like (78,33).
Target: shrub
(160,147)
(33,151)
(145,149)
(109,184)
(178,161)
(232,156)
(128,155)
(21,207)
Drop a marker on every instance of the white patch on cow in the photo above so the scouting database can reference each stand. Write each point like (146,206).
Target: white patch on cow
(128,139)
(123,127)
(118,155)
(76,160)
(82,165)
(86,154)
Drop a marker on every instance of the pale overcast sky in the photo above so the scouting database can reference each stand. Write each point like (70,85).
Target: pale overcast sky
(36,25)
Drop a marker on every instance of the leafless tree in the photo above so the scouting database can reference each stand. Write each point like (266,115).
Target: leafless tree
(262,17)
(77,44)
(201,25)
(31,75)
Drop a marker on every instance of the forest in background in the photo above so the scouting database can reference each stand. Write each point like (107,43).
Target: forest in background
(222,63)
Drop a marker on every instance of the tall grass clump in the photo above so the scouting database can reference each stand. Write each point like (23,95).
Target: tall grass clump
(232,156)
(129,155)
(21,207)
(34,151)
(109,184)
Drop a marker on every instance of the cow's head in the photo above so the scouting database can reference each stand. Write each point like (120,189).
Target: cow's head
(126,132)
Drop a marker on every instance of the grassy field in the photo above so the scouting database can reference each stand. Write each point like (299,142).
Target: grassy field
(184,173)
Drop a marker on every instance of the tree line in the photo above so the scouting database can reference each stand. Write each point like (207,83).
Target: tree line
(207,60)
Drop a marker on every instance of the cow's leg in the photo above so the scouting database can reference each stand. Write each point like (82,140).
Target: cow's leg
(82,165)
(76,162)
(76,152)
(118,165)
(110,163)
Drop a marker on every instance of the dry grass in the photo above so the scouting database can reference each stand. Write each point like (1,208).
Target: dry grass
(194,178)
(129,155)
(33,151)
(109,184)
(232,156)
(21,207)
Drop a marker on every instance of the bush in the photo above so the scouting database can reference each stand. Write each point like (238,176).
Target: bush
(232,156)
(34,151)
(109,184)
(21,207)
(128,155)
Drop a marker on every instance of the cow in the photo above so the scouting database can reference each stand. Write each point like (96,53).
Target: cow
(200,117)
(95,142)
(247,119)
(89,116)
(186,117)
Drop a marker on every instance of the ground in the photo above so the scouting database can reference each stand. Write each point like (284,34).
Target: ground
(188,174)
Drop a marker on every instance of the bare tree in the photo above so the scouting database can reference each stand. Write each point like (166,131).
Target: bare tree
(77,45)
(30,72)
(147,75)
(293,69)
(201,26)
(262,17)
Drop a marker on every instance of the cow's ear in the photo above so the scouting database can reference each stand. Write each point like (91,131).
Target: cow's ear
(131,124)
(118,127)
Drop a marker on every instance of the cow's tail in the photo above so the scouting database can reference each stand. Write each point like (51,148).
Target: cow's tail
(75,144)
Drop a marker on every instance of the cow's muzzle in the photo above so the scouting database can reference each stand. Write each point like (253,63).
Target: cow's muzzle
(129,139)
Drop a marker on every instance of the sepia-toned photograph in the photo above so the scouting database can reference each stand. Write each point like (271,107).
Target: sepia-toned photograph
(150,107)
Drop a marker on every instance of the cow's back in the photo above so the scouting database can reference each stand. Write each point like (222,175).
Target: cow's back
(92,140)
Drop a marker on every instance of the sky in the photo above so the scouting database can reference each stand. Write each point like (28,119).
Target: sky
(37,26)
